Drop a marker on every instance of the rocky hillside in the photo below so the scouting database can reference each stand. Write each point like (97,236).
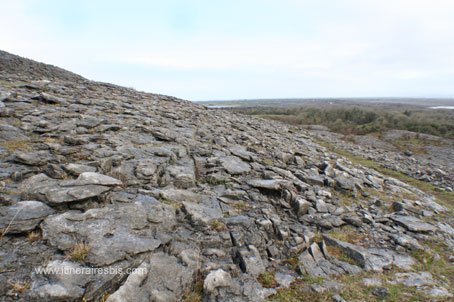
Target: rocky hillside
(97,180)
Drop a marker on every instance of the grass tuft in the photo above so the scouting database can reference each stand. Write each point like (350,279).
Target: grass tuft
(19,287)
(79,252)
(217,225)
(34,236)
(267,279)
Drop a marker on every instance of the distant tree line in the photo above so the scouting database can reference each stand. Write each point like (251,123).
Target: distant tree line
(362,119)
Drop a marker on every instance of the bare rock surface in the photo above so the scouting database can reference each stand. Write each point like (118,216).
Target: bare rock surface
(173,200)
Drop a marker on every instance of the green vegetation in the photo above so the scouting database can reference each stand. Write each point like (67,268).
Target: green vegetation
(361,119)
(267,279)
(217,225)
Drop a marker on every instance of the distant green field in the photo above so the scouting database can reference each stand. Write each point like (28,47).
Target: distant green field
(353,118)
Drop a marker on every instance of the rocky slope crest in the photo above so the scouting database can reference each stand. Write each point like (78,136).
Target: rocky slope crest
(208,205)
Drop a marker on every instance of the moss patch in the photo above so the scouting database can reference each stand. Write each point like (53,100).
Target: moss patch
(267,279)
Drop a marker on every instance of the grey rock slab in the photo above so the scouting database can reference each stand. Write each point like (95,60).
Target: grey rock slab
(60,286)
(414,279)
(203,212)
(343,183)
(380,258)
(163,134)
(375,259)
(182,175)
(406,241)
(60,195)
(52,191)
(437,292)
(23,216)
(241,152)
(234,165)
(372,282)
(357,253)
(11,133)
(160,278)
(320,206)
(215,279)
(77,169)
(36,186)
(268,184)
(250,260)
(49,99)
(38,158)
(112,233)
(312,179)
(220,286)
(301,206)
(413,224)
(92,178)
(128,291)
(284,279)
(178,195)
(307,265)
(89,122)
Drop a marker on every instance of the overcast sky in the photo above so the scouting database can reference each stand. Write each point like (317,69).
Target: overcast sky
(214,49)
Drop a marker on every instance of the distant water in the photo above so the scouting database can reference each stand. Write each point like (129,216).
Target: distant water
(222,106)
(442,107)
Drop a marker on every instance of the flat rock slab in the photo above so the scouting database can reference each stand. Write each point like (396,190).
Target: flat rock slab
(234,165)
(267,184)
(413,224)
(375,259)
(160,278)
(60,286)
(11,133)
(38,158)
(23,216)
(207,210)
(77,169)
(60,195)
(92,178)
(112,233)
(415,279)
(54,192)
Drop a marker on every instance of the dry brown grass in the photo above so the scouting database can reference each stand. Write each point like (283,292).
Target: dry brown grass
(34,236)
(79,252)
(19,287)
(15,145)
(217,225)
(348,234)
